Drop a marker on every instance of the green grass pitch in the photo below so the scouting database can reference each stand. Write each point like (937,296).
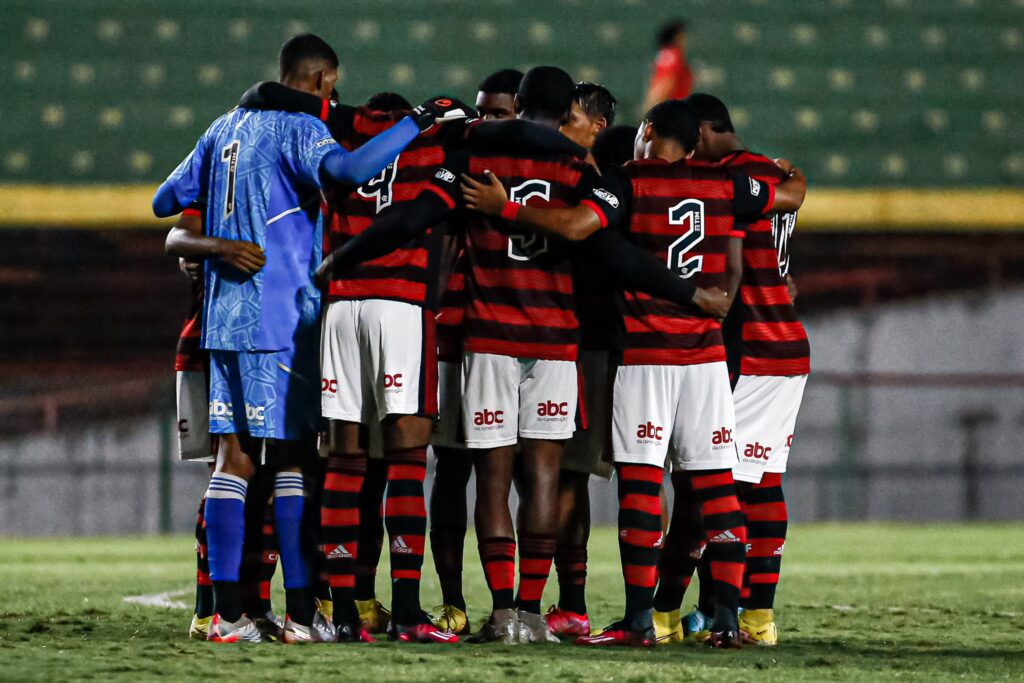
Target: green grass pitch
(857,602)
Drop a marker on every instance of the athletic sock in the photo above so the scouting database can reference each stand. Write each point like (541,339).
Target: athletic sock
(571,567)
(339,530)
(726,533)
(498,556)
(289,501)
(683,547)
(405,516)
(204,587)
(371,528)
(448,522)
(225,532)
(536,552)
(268,558)
(767,522)
(639,538)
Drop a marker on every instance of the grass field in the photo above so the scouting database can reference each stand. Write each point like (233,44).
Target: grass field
(858,602)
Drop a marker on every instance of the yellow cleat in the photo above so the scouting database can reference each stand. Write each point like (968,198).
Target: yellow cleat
(326,608)
(375,616)
(758,627)
(668,627)
(452,620)
(199,629)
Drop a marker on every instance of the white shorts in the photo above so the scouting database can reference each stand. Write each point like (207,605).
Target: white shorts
(378,358)
(680,414)
(766,409)
(505,398)
(586,450)
(193,399)
(448,432)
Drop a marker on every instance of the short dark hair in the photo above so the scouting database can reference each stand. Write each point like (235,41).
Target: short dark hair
(614,146)
(388,101)
(596,100)
(546,92)
(668,32)
(710,109)
(304,47)
(504,82)
(675,120)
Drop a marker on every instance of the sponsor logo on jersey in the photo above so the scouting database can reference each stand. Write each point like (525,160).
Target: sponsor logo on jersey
(328,386)
(445,175)
(725,537)
(393,381)
(755,187)
(323,142)
(607,196)
(339,552)
(488,417)
(756,450)
(398,546)
(649,432)
(219,408)
(553,412)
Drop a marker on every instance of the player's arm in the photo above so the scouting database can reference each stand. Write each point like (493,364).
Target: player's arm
(186,183)
(187,241)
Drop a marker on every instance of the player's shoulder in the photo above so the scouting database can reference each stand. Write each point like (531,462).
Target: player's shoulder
(753,164)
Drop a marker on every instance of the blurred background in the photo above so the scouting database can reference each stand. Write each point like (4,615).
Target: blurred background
(908,255)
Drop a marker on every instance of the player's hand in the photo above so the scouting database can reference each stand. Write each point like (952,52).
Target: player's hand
(245,256)
(791,286)
(487,197)
(192,269)
(786,165)
(440,109)
(715,302)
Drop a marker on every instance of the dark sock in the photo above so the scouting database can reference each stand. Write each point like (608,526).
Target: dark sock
(339,530)
(726,534)
(405,516)
(571,567)
(227,600)
(204,587)
(448,521)
(498,556)
(300,605)
(767,522)
(371,528)
(536,553)
(683,548)
(268,558)
(639,538)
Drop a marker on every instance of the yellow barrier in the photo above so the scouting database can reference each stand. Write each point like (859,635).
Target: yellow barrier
(869,209)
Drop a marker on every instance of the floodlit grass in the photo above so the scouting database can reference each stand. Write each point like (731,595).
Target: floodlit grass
(857,602)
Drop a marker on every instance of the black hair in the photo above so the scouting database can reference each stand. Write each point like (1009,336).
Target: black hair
(504,82)
(668,32)
(614,146)
(546,92)
(675,120)
(710,109)
(595,100)
(388,101)
(304,47)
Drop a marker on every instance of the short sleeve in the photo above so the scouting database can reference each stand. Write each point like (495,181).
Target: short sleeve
(191,179)
(751,197)
(311,143)
(609,196)
(445,183)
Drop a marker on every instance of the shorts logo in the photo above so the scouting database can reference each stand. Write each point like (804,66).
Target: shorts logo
(255,413)
(445,175)
(789,441)
(328,386)
(554,412)
(488,417)
(756,450)
(393,381)
(649,433)
(183,426)
(721,438)
(607,196)
(220,409)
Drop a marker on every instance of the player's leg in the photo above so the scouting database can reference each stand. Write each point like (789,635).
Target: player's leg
(373,615)
(683,548)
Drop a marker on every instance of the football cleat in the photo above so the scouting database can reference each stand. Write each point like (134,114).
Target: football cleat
(668,627)
(566,624)
(502,627)
(352,633)
(199,629)
(757,627)
(375,616)
(533,628)
(452,620)
(696,625)
(320,631)
(422,632)
(326,608)
(619,634)
(725,640)
(241,631)
(270,625)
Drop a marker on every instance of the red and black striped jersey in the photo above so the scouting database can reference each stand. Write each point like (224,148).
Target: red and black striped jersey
(190,355)
(410,273)
(683,213)
(451,313)
(366,124)
(771,339)
(519,288)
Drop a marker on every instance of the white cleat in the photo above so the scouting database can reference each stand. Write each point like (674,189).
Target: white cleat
(320,631)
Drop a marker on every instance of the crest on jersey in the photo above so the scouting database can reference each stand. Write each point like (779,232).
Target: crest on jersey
(527,246)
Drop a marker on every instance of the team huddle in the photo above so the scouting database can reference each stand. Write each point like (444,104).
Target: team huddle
(531,293)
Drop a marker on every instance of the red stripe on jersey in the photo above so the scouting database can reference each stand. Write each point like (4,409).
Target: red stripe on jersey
(381,288)
(776,367)
(325,108)
(522,350)
(777,295)
(525,278)
(781,332)
(527,316)
(673,356)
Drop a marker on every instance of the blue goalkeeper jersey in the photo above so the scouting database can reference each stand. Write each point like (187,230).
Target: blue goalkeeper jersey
(260,171)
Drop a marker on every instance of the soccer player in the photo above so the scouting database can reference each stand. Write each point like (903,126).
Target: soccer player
(495,98)
(764,334)
(261,169)
(670,77)
(671,397)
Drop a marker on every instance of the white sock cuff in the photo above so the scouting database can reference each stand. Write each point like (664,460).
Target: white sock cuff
(288,484)
(224,485)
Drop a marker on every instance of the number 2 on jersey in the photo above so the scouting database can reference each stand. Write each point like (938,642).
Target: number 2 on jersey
(689,212)
(229,155)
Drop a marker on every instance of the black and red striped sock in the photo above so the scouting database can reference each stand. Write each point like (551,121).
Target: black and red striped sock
(683,547)
(571,567)
(268,558)
(204,586)
(371,528)
(767,522)
(405,516)
(498,556)
(726,533)
(639,537)
(536,552)
(339,530)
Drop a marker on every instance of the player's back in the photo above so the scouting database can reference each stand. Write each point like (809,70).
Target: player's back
(519,285)
(682,213)
(763,328)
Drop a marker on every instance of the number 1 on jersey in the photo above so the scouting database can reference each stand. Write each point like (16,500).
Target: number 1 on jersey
(229,155)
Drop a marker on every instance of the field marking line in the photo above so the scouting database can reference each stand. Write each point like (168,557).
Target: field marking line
(165,600)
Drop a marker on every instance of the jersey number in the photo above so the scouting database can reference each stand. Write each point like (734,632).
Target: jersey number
(689,212)
(229,155)
(527,246)
(782,229)
(379,187)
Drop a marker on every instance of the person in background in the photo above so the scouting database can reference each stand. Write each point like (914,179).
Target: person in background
(670,78)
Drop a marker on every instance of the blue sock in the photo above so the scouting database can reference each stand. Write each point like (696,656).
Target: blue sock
(225,529)
(288,504)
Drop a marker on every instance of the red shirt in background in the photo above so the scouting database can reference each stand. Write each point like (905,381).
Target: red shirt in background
(670,65)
